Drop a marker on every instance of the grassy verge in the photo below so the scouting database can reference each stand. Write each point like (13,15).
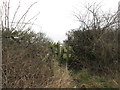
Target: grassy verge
(91,81)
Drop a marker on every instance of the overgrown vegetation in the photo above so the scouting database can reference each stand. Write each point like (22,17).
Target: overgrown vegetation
(89,57)
(27,60)
(95,44)
(85,78)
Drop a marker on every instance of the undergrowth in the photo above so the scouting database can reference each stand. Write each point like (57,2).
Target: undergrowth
(85,78)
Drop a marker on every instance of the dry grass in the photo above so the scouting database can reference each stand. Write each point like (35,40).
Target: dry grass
(21,71)
(61,78)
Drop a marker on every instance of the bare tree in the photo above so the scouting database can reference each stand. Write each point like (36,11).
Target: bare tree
(10,23)
(95,42)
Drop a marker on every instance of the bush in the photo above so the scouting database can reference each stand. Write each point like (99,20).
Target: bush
(95,44)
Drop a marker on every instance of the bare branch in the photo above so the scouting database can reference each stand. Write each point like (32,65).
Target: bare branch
(15,14)
(22,27)
(24,14)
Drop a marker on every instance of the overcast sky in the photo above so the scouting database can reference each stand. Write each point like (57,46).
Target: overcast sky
(56,16)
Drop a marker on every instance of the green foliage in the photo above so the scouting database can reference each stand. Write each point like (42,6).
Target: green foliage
(93,49)
(61,53)
(100,79)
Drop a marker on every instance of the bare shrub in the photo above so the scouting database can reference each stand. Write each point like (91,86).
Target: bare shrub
(27,61)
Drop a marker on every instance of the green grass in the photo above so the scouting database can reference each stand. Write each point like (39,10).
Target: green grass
(92,81)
